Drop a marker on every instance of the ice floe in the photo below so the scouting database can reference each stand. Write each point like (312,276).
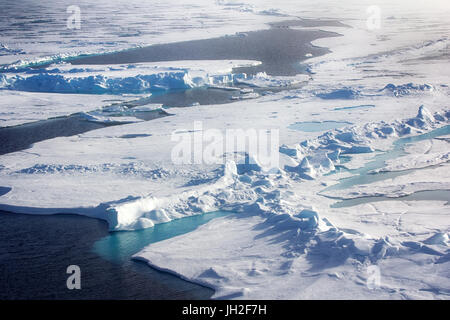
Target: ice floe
(121,79)
(284,240)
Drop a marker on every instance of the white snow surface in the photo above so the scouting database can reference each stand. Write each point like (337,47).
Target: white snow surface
(22,107)
(284,240)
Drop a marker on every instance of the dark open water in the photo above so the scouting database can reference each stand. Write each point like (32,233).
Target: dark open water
(279,49)
(35,252)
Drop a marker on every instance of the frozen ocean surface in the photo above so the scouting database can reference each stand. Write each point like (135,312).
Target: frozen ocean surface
(88,117)
(317,126)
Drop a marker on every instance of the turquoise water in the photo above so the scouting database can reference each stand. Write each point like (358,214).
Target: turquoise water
(363,175)
(315,126)
(363,106)
(439,195)
(120,246)
(36,249)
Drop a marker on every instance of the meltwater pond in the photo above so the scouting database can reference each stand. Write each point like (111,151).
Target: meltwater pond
(362,106)
(365,175)
(121,245)
(437,195)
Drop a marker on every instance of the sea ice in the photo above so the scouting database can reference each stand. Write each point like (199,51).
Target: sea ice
(284,240)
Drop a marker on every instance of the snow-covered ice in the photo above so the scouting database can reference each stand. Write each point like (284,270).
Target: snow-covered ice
(18,107)
(378,101)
